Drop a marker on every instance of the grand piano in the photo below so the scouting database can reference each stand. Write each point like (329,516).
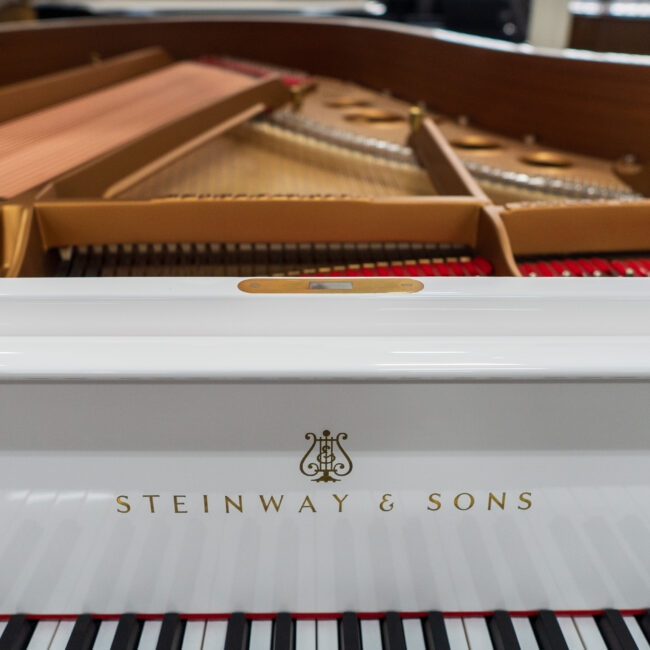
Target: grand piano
(321,334)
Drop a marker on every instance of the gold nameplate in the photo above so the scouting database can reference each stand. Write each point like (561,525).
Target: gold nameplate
(330,285)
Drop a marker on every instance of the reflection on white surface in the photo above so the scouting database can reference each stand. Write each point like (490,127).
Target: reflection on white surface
(581,518)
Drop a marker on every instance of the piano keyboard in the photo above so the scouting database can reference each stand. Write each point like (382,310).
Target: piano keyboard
(587,266)
(260,259)
(609,630)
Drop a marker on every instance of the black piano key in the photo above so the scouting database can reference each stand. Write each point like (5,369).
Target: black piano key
(548,632)
(237,632)
(644,623)
(349,633)
(171,632)
(392,632)
(127,633)
(17,633)
(615,632)
(79,261)
(282,632)
(435,632)
(83,633)
(502,631)
(95,262)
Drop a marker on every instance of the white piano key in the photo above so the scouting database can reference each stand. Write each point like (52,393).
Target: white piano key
(589,633)
(215,635)
(370,634)
(636,632)
(62,635)
(149,636)
(570,633)
(305,635)
(3,625)
(525,633)
(456,634)
(43,635)
(478,635)
(327,633)
(413,634)
(193,637)
(260,635)
(105,635)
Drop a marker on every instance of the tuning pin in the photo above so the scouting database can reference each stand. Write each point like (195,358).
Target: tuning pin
(416,114)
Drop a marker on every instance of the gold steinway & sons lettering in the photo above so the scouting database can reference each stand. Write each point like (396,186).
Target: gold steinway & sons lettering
(386,502)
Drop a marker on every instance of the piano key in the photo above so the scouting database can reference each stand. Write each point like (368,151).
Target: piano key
(43,635)
(549,634)
(350,633)
(502,631)
(237,632)
(393,632)
(637,633)
(327,635)
(525,634)
(106,635)
(282,632)
(370,634)
(150,634)
(305,635)
(127,633)
(413,634)
(570,633)
(644,624)
(16,633)
(616,634)
(79,261)
(478,635)
(435,633)
(215,635)
(456,634)
(589,633)
(260,635)
(193,637)
(171,632)
(62,635)
(83,633)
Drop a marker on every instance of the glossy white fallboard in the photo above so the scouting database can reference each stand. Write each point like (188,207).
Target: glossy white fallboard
(582,544)
(497,451)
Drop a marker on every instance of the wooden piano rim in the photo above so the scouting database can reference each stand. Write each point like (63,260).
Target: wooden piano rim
(328,616)
(502,87)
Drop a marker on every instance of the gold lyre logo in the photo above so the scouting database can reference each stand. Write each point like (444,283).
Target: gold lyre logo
(326,459)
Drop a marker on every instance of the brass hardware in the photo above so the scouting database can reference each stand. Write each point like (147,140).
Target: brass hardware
(546,159)
(329,285)
(372,116)
(346,101)
(297,97)
(416,114)
(628,165)
(475,142)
